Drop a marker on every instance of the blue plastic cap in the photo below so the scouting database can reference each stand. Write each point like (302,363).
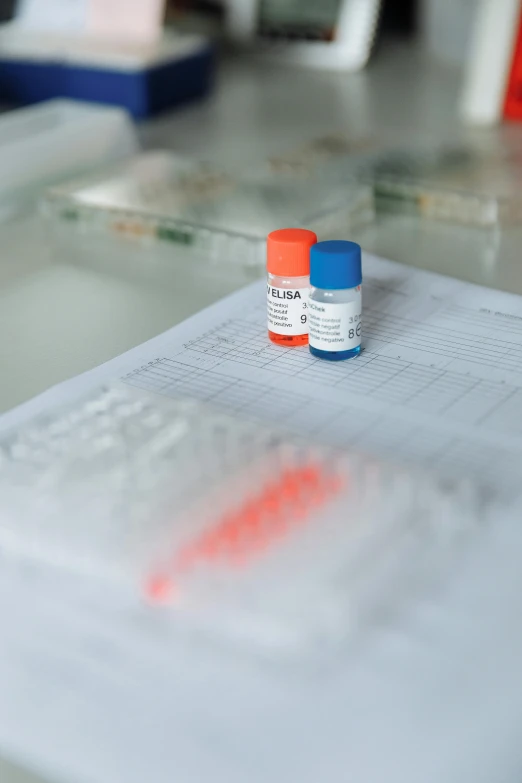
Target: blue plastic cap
(335,264)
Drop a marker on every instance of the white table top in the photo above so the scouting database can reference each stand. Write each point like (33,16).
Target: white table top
(66,309)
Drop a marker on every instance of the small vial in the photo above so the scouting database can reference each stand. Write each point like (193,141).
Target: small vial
(288,284)
(335,304)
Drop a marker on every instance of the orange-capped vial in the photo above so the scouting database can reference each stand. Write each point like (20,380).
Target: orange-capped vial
(288,268)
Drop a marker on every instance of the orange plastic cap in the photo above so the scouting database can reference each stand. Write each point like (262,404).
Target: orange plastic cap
(288,252)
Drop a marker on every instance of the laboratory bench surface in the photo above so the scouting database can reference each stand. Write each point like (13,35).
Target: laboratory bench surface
(68,303)
(67,306)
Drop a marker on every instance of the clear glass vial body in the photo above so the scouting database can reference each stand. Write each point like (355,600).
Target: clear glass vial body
(349,326)
(288,318)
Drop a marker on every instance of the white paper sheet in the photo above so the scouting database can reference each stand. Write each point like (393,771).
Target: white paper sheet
(439,381)
(428,694)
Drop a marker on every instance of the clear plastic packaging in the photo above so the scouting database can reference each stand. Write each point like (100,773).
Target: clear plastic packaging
(473,181)
(51,141)
(467,183)
(160,195)
(230,526)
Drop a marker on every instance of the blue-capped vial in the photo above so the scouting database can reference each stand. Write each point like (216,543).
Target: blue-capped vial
(335,304)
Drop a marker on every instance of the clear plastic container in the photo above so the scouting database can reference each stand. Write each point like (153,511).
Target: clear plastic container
(47,143)
(161,196)
(471,183)
(470,179)
(236,531)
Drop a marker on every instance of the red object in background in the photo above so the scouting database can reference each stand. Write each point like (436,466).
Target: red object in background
(513,100)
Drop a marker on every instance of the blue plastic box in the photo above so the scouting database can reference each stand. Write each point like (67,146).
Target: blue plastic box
(144,81)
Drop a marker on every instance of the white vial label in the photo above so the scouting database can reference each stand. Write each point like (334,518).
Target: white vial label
(335,327)
(287,310)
